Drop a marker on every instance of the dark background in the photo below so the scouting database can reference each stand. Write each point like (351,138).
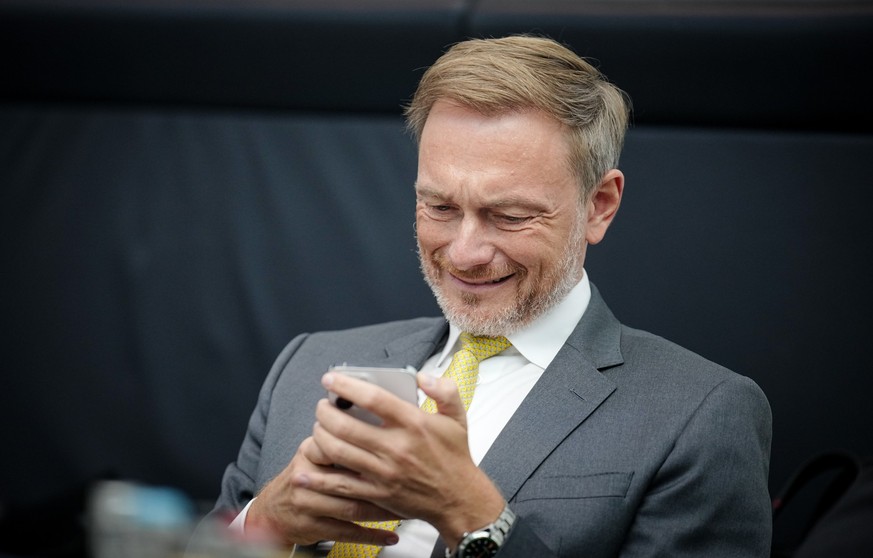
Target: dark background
(187,184)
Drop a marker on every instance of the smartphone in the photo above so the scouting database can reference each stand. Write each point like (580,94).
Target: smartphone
(399,381)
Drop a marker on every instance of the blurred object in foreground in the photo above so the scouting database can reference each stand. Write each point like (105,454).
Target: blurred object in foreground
(129,520)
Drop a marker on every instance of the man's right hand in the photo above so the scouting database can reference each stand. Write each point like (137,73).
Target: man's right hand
(288,510)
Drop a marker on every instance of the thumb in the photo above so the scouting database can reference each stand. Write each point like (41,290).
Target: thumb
(445,394)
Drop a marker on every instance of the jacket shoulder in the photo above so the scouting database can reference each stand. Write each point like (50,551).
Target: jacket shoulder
(661,364)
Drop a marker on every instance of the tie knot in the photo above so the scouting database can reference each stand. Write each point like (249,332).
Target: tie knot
(483,347)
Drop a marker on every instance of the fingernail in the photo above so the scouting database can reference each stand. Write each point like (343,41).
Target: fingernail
(327,379)
(391,539)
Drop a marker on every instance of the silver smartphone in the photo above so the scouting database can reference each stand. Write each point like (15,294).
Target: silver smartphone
(399,381)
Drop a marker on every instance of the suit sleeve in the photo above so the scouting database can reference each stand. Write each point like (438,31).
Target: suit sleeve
(238,483)
(710,496)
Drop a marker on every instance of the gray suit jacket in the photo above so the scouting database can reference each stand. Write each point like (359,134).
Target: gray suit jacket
(628,445)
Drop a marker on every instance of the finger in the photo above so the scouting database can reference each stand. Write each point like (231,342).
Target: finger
(293,511)
(379,401)
(348,496)
(325,528)
(344,440)
(312,452)
(445,394)
(353,431)
(354,533)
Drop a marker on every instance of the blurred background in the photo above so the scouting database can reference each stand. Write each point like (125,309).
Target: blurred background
(187,184)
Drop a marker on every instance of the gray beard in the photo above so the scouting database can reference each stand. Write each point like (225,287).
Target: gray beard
(519,315)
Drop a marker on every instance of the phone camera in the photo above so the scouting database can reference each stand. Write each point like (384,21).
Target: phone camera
(343,404)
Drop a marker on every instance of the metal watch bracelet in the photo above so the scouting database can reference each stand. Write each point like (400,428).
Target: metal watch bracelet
(488,538)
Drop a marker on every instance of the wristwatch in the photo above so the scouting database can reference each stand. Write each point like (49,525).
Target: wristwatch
(485,542)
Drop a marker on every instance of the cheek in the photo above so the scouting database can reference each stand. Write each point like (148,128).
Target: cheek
(431,234)
(529,252)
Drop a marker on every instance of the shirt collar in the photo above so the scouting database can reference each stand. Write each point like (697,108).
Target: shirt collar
(541,340)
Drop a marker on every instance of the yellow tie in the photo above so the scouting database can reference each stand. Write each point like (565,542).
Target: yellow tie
(464,370)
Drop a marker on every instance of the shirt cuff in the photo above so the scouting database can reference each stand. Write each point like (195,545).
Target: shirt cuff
(238,525)
(239,522)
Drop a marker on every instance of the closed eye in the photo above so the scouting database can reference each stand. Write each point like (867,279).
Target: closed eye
(511,221)
(513,218)
(441,211)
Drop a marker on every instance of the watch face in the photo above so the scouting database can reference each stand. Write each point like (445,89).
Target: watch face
(480,548)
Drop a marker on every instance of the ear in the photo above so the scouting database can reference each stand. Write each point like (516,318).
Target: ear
(603,205)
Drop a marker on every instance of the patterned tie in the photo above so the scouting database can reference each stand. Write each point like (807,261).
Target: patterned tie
(464,370)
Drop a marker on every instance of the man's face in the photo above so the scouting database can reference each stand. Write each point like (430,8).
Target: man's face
(501,230)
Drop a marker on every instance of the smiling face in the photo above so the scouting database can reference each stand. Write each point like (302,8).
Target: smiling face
(500,224)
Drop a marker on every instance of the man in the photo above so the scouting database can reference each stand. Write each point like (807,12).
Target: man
(583,437)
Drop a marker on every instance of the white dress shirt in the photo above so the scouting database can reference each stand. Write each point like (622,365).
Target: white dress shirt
(504,381)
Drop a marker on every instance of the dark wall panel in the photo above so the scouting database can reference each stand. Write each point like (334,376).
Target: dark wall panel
(761,64)
(341,55)
(156,262)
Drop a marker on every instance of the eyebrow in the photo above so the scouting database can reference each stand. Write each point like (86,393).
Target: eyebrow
(425,191)
(499,203)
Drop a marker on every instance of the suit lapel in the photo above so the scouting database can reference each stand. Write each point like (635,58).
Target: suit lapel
(570,389)
(415,348)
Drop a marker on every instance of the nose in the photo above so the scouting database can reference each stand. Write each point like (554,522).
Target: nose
(470,246)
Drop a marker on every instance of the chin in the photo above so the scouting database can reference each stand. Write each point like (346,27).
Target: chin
(482,319)
(483,315)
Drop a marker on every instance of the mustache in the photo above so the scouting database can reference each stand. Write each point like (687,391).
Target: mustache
(478,273)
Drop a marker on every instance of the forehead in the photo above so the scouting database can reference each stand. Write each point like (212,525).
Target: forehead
(515,154)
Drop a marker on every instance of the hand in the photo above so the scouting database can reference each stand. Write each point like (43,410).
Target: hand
(414,465)
(290,511)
